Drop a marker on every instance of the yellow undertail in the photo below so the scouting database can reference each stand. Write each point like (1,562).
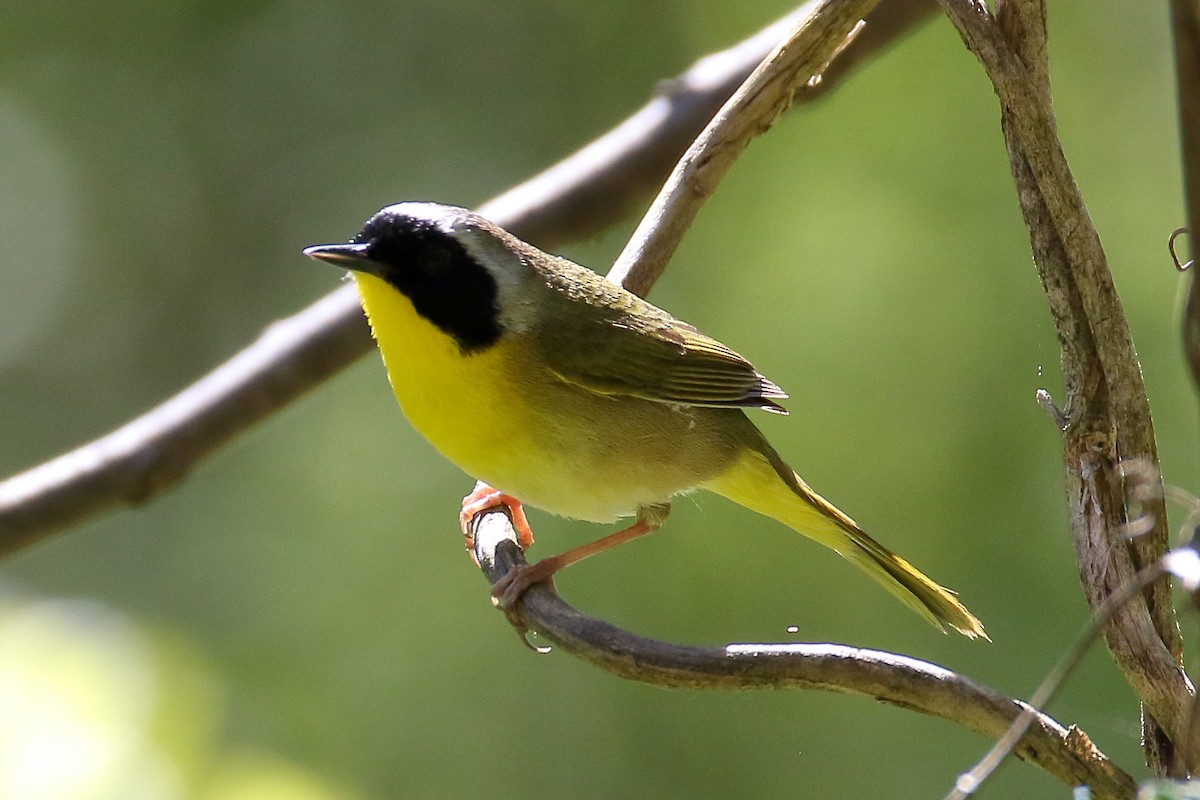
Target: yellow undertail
(762,482)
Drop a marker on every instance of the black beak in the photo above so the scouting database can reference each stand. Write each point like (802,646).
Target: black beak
(344,256)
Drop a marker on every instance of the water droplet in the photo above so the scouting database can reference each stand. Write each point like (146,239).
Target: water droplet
(535,641)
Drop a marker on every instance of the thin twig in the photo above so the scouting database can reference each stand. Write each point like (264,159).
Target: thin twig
(1066,753)
(582,194)
(969,782)
(801,55)
(1180,264)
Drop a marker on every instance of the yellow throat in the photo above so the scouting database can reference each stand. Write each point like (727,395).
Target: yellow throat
(438,387)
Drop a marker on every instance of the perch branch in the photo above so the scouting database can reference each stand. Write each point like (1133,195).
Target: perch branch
(1064,752)
(1106,412)
(1069,755)
(582,194)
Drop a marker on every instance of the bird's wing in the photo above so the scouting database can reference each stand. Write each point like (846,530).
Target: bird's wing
(611,342)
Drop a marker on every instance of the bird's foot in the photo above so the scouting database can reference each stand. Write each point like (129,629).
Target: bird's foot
(508,590)
(484,498)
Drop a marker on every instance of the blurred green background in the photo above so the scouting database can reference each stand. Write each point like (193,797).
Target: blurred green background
(298,620)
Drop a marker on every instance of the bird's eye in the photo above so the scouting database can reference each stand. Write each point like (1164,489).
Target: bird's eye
(434,260)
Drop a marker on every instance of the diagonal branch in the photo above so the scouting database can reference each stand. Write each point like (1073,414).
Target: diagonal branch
(798,61)
(1064,752)
(1107,416)
(582,194)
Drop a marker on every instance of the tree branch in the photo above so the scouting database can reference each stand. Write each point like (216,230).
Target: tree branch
(1069,755)
(580,195)
(1185,26)
(1107,416)
(1066,753)
(802,53)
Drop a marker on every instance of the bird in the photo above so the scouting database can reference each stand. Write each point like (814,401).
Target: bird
(559,389)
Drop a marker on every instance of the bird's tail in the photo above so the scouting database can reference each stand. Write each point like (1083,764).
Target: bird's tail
(762,482)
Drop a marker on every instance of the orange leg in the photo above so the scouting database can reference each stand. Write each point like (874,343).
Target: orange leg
(507,590)
(485,498)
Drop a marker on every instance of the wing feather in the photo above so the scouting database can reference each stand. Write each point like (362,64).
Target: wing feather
(610,341)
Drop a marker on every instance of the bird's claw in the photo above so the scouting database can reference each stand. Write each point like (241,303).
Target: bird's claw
(484,498)
(507,592)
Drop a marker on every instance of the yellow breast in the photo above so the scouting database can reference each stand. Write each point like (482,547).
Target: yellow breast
(465,405)
(520,428)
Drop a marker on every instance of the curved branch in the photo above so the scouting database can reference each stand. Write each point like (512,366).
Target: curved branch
(582,194)
(890,678)
(1066,753)
(1107,416)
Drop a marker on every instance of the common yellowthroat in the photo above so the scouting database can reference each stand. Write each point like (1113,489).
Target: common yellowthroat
(564,390)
